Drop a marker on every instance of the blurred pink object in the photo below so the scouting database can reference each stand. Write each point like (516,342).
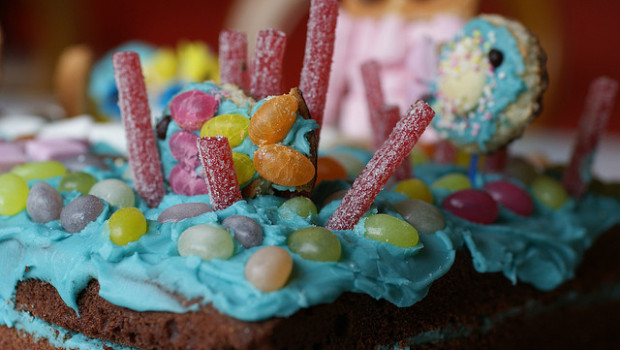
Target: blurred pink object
(55,149)
(266,74)
(11,154)
(233,58)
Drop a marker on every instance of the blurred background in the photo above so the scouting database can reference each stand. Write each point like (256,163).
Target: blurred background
(581,38)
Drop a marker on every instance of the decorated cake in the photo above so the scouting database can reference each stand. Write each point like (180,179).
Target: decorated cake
(225,226)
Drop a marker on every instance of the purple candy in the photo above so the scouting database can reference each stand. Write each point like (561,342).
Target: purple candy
(182,211)
(183,147)
(511,196)
(185,180)
(472,205)
(246,230)
(191,109)
(44,203)
(80,212)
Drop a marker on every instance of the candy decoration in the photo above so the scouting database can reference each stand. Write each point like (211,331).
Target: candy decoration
(452,182)
(77,181)
(315,243)
(191,109)
(549,192)
(115,192)
(328,168)
(511,196)
(472,205)
(206,241)
(318,56)
(80,212)
(414,189)
(381,167)
(269,268)
(233,57)
(273,120)
(389,117)
(221,178)
(40,170)
(389,229)
(267,65)
(244,167)
(375,99)
(182,211)
(599,104)
(246,230)
(136,114)
(126,225)
(273,163)
(13,194)
(302,206)
(185,180)
(183,148)
(496,162)
(232,126)
(445,152)
(423,216)
(44,203)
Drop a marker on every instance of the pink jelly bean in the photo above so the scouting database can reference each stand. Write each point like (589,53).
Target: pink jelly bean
(221,178)
(183,148)
(511,196)
(599,104)
(267,64)
(472,205)
(191,109)
(375,99)
(318,56)
(136,114)
(233,58)
(184,180)
(390,115)
(381,167)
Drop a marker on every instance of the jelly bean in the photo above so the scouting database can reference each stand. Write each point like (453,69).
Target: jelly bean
(414,189)
(389,229)
(183,147)
(424,217)
(244,167)
(80,212)
(549,192)
(191,109)
(301,206)
(521,170)
(44,203)
(452,182)
(40,170)
(315,243)
(115,192)
(246,230)
(77,181)
(234,127)
(512,197)
(78,163)
(206,241)
(418,156)
(182,211)
(329,169)
(351,164)
(13,194)
(269,268)
(184,180)
(472,205)
(273,163)
(126,225)
(273,120)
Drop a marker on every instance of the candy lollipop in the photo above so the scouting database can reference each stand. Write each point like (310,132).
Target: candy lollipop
(489,84)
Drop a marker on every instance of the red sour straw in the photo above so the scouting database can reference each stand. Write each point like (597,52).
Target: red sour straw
(374,97)
(221,178)
(598,107)
(318,56)
(445,152)
(233,58)
(390,115)
(381,167)
(267,64)
(141,144)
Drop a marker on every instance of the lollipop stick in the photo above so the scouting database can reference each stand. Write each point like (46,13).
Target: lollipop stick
(473,168)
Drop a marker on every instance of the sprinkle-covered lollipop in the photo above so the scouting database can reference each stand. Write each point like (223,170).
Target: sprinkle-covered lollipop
(489,84)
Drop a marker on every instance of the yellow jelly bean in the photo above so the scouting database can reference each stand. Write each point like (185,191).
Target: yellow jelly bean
(13,194)
(40,170)
(232,126)
(126,225)
(273,162)
(244,167)
(273,120)
(414,189)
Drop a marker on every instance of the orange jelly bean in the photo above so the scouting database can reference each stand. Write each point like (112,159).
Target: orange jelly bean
(329,169)
(273,162)
(273,120)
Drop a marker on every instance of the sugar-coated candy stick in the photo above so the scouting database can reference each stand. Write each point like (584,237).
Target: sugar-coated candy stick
(374,97)
(266,77)
(445,152)
(221,178)
(381,167)
(136,114)
(233,58)
(318,56)
(390,115)
(598,107)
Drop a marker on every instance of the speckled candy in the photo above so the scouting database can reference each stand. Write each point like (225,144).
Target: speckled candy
(273,120)
(182,211)
(472,205)
(269,268)
(191,109)
(424,217)
(511,196)
(246,230)
(185,180)
(44,203)
(80,212)
(183,147)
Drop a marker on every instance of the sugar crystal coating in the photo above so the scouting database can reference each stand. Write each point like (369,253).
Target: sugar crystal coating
(13,194)
(246,230)
(273,120)
(115,192)
(221,178)
(389,117)
(191,109)
(233,58)
(472,205)
(374,97)
(44,203)
(266,77)
(206,241)
(182,211)
(423,216)
(269,268)
(76,215)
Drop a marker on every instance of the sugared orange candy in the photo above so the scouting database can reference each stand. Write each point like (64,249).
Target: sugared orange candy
(273,162)
(328,168)
(273,120)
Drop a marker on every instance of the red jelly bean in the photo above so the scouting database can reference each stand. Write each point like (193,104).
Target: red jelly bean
(511,196)
(141,144)
(191,109)
(472,205)
(183,148)
(381,167)
(233,58)
(267,64)
(221,178)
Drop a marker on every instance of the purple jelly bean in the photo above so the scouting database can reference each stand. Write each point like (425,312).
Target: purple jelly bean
(182,211)
(511,196)
(185,180)
(80,212)
(44,203)
(472,205)
(191,109)
(246,230)
(183,147)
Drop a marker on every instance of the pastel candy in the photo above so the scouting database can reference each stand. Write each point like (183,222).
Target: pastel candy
(246,230)
(55,149)
(191,109)
(184,180)
(44,203)
(115,192)
(183,147)
(423,216)
(80,212)
(269,268)
(182,211)
(11,155)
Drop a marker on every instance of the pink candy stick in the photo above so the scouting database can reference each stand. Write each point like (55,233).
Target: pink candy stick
(599,104)
(221,177)
(445,152)
(233,58)
(381,167)
(318,56)
(390,115)
(375,99)
(267,64)
(141,144)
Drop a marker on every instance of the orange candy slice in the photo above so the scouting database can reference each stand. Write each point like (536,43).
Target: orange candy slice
(273,162)
(273,120)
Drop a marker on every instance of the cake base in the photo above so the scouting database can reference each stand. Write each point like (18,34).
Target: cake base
(463,309)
